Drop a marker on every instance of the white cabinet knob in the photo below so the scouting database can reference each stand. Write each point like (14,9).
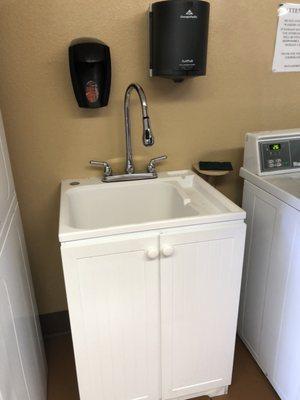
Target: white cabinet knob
(152,253)
(167,250)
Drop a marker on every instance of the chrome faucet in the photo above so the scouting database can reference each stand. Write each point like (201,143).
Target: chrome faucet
(148,140)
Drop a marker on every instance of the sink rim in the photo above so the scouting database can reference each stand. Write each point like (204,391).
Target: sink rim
(68,233)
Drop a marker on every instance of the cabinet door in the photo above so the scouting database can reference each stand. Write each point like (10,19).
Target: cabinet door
(113,297)
(200,285)
(22,368)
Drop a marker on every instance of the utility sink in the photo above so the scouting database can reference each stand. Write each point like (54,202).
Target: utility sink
(91,208)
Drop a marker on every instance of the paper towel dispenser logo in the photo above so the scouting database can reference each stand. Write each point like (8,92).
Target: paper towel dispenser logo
(189,14)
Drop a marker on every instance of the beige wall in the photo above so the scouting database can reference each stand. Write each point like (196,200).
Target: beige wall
(50,138)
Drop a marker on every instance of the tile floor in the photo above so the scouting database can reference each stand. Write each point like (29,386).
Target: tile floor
(248,381)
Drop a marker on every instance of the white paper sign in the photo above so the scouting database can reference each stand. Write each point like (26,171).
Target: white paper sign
(287,48)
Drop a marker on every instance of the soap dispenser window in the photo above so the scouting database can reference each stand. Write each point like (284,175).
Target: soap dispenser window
(92,91)
(90,69)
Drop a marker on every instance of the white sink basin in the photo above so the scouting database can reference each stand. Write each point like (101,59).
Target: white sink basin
(129,203)
(92,208)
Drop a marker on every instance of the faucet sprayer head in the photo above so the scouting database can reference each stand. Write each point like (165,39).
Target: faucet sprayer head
(148,138)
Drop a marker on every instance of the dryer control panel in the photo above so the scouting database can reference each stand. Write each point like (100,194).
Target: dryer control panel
(272,152)
(279,154)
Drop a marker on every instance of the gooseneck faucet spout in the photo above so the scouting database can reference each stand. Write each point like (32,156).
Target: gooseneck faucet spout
(148,138)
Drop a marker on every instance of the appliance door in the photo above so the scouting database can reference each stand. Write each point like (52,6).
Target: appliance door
(269,322)
(22,366)
(22,359)
(7,190)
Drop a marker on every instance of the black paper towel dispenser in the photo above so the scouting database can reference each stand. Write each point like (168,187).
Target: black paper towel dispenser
(90,69)
(178,38)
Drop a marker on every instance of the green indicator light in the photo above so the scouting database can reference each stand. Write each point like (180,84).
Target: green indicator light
(275,147)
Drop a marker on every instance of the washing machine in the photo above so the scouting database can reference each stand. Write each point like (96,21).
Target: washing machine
(269,317)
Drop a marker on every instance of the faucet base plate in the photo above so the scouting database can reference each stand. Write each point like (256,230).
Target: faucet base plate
(129,177)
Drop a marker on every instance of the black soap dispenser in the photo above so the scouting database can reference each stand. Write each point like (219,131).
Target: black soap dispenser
(90,69)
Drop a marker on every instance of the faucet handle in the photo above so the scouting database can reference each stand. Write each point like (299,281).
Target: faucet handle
(152,163)
(105,165)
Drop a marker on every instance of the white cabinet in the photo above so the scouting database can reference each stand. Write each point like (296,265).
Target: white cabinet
(153,315)
(22,363)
